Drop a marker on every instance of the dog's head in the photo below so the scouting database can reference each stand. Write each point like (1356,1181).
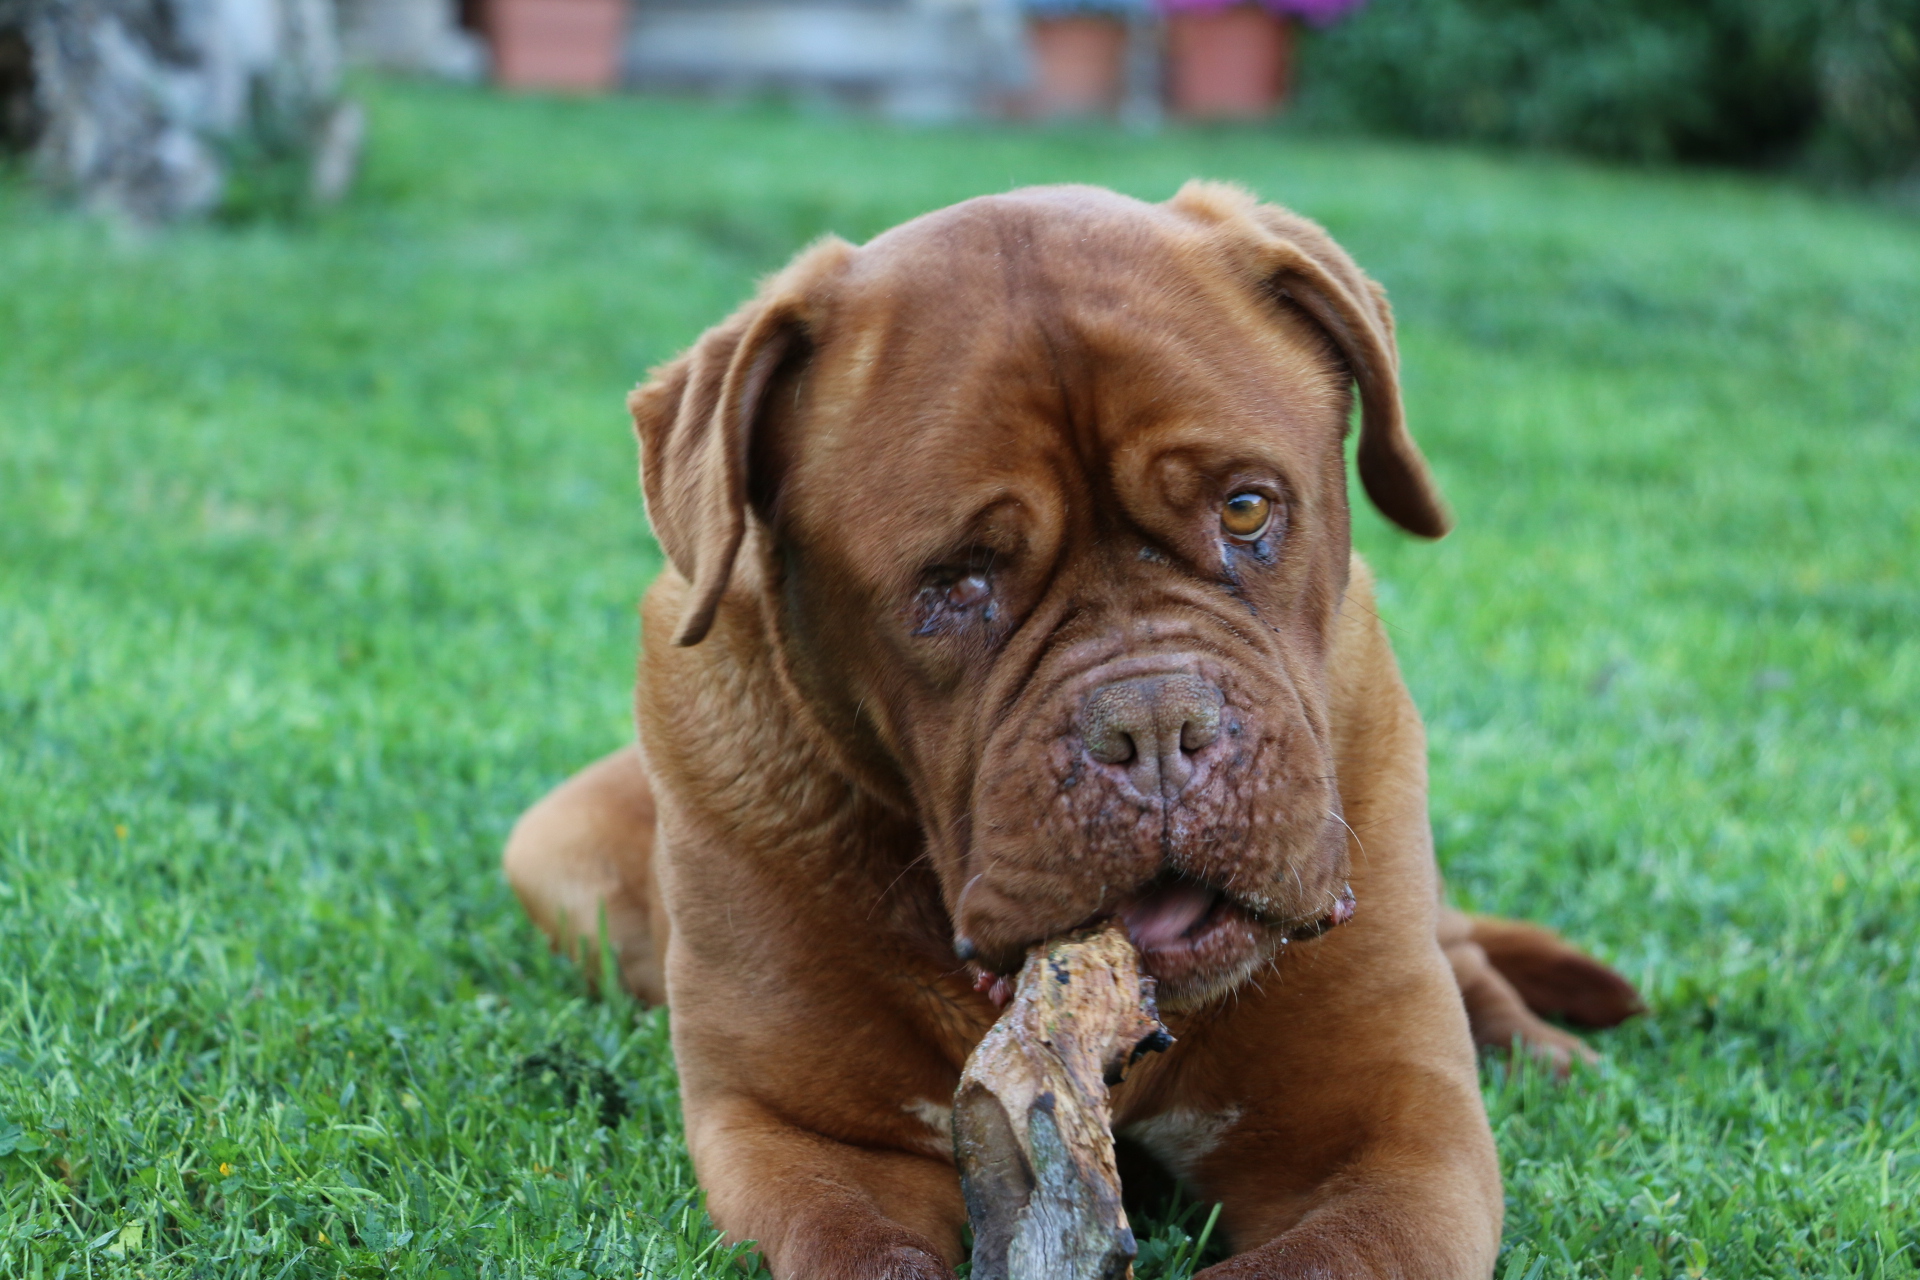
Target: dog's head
(1049,492)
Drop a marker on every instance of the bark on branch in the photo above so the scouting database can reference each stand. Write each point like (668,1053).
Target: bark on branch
(1031,1124)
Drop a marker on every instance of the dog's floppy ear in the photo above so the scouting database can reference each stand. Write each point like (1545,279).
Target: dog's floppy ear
(695,422)
(695,418)
(1301,264)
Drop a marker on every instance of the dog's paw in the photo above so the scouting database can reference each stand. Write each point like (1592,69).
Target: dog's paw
(863,1250)
(1500,1020)
(1356,1247)
(1295,1260)
(1554,979)
(876,1262)
(904,1262)
(1547,1044)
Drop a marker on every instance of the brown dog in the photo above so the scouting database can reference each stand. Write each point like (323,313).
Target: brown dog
(1011,589)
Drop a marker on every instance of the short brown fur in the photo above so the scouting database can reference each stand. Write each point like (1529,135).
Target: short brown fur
(924,500)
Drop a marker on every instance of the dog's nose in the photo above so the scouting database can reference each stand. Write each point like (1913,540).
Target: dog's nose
(1152,725)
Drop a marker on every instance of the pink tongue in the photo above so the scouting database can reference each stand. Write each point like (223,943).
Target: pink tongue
(1163,918)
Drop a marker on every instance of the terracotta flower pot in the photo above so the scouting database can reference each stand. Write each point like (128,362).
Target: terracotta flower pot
(1228,64)
(556,44)
(1079,65)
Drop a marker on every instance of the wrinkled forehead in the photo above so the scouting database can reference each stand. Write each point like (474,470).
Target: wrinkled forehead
(1028,353)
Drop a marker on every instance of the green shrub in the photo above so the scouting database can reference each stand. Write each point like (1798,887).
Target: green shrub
(1833,85)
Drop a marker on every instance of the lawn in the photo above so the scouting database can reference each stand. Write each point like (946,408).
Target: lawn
(319,546)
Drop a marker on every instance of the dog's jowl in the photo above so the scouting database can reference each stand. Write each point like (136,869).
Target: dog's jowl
(1010,591)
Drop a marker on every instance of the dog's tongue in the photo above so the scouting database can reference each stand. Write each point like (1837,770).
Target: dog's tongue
(1163,917)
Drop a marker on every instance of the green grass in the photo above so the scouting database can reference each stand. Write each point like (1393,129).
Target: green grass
(318,553)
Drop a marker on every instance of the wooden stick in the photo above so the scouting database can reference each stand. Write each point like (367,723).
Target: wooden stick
(1031,1125)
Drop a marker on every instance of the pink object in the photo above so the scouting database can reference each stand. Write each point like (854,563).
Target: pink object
(993,987)
(571,45)
(1228,62)
(1079,64)
(1319,12)
(1167,915)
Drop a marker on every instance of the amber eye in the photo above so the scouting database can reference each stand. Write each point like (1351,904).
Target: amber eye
(1245,516)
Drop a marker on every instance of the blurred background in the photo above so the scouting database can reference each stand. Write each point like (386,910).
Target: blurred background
(124,101)
(320,543)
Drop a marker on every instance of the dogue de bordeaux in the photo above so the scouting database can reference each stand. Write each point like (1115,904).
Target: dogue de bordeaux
(1011,589)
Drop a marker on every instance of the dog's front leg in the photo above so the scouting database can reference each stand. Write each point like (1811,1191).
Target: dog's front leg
(821,1208)
(1357,1146)
(1389,1215)
(817,1107)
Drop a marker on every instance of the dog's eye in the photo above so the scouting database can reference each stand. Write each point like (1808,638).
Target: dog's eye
(949,600)
(1245,516)
(968,590)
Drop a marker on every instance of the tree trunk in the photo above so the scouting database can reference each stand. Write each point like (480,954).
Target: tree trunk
(159,109)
